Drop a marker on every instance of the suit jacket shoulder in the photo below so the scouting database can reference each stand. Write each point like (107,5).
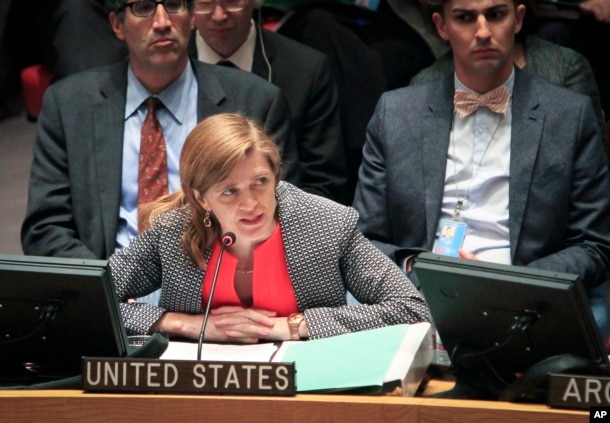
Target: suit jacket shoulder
(565,67)
(548,95)
(302,73)
(227,87)
(286,54)
(551,61)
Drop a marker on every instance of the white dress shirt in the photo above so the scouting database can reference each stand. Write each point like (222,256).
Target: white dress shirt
(178,116)
(242,58)
(478,164)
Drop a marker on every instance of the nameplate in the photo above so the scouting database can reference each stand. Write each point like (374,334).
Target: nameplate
(187,376)
(573,391)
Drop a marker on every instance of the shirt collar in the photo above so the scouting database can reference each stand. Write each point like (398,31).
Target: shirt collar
(509,83)
(242,58)
(174,97)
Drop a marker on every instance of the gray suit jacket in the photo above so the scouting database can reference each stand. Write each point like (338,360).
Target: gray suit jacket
(326,256)
(559,201)
(75,182)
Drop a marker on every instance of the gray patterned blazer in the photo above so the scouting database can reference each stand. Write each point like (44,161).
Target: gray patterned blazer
(326,256)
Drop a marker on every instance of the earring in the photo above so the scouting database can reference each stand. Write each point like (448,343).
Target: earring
(207,222)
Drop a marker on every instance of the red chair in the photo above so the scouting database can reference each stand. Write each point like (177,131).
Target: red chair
(34,81)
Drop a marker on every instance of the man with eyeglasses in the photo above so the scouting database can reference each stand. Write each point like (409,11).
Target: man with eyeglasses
(227,34)
(83,191)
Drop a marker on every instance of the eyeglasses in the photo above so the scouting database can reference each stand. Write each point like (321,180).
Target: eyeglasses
(145,8)
(205,7)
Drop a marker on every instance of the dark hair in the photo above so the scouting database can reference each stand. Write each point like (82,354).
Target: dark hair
(117,6)
(436,6)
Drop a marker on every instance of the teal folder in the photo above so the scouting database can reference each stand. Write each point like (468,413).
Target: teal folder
(361,361)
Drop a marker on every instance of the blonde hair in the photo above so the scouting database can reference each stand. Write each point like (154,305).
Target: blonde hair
(210,153)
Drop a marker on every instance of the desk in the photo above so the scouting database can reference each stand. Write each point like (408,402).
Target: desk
(76,406)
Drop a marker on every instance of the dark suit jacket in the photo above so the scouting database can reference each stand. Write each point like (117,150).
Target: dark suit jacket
(305,78)
(559,201)
(75,182)
(325,254)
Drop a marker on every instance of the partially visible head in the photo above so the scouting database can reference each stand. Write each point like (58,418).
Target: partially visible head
(438,6)
(157,43)
(230,168)
(224,24)
(482,35)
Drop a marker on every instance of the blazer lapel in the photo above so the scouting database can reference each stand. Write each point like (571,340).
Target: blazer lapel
(210,92)
(108,145)
(437,123)
(526,133)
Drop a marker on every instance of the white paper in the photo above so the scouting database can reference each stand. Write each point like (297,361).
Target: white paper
(407,352)
(220,352)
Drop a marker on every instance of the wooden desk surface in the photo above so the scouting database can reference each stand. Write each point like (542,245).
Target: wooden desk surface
(76,406)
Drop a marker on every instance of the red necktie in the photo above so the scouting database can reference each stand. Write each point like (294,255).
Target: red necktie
(495,100)
(152,169)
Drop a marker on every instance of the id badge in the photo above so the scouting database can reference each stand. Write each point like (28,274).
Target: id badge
(450,237)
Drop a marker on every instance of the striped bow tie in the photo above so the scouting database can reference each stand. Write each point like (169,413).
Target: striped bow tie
(495,100)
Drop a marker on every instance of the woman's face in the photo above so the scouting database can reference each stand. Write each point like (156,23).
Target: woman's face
(244,203)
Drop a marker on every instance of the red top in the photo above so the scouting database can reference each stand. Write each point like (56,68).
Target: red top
(271,285)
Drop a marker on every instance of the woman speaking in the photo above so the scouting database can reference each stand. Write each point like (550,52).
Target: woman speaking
(286,268)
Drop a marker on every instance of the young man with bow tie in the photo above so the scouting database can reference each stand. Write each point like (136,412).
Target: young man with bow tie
(523,178)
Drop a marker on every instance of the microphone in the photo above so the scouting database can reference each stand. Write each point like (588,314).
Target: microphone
(227,240)
(222,377)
